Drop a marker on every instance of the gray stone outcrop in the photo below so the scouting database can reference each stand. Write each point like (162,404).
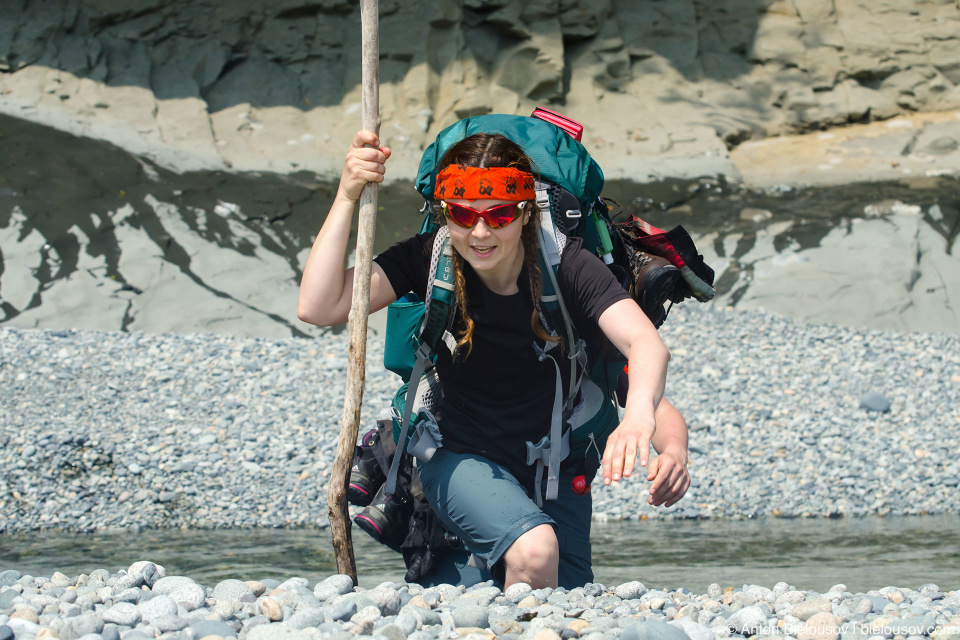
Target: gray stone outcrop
(256,85)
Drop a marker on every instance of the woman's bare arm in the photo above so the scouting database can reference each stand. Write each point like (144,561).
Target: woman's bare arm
(326,290)
(632,333)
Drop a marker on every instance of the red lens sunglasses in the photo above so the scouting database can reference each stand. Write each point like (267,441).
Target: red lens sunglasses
(495,217)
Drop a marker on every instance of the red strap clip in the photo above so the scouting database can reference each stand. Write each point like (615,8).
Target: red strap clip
(572,127)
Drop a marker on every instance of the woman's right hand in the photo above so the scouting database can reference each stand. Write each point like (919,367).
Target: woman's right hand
(364,164)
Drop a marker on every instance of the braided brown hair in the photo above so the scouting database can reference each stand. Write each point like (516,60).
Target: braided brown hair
(495,150)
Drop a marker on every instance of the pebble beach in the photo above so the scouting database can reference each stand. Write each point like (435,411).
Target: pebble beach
(124,431)
(143,602)
(118,431)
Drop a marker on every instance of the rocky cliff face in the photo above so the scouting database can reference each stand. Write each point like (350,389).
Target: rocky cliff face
(664,87)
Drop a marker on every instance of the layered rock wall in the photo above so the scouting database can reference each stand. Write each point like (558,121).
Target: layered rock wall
(664,87)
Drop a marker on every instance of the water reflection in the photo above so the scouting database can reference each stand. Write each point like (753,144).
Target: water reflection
(863,553)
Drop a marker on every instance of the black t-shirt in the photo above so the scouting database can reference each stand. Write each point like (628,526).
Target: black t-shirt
(502,395)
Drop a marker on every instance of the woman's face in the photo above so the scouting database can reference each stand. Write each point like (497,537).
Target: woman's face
(491,252)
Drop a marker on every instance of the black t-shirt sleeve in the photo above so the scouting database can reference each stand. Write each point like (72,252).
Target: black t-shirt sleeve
(406,264)
(587,284)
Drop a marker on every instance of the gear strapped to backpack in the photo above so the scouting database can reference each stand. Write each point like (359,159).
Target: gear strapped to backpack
(568,196)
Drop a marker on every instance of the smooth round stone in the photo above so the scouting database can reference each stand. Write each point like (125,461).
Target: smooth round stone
(110,632)
(406,621)
(203,628)
(254,621)
(182,590)
(129,581)
(420,602)
(387,600)
(166,623)
(873,401)
(27,615)
(256,587)
(89,636)
(342,583)
(391,632)
(694,630)
(517,592)
(271,608)
(630,590)
(84,624)
(470,615)
(424,617)
(303,618)
(9,577)
(230,591)
(791,597)
(123,613)
(323,593)
(652,630)
(69,596)
(744,599)
(748,621)
(294,583)
(169,584)
(6,633)
(760,594)
(158,606)
(330,627)
(276,632)
(805,610)
(820,626)
(593,589)
(19,625)
(128,595)
(485,596)
(366,616)
(150,571)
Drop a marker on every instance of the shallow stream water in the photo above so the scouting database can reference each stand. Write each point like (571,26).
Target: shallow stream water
(863,553)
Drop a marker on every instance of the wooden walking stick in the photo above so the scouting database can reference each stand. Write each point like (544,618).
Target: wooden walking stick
(357,354)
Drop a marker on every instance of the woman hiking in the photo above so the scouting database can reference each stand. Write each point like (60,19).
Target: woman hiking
(497,388)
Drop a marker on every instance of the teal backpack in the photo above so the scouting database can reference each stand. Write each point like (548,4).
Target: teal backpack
(568,195)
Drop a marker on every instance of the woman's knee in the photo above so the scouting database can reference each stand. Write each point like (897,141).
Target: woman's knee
(535,552)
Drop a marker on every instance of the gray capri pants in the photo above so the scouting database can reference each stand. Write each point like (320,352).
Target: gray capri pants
(482,503)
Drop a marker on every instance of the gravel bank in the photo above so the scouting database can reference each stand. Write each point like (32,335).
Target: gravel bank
(123,431)
(143,603)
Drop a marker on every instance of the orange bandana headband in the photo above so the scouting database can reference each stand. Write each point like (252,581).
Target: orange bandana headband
(460,182)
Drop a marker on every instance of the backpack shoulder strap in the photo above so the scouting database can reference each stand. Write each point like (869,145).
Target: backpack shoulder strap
(440,302)
(438,315)
(554,311)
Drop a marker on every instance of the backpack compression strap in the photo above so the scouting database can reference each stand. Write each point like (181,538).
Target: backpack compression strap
(437,318)
(552,306)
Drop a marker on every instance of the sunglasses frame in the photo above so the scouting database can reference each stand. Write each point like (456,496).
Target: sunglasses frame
(478,215)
